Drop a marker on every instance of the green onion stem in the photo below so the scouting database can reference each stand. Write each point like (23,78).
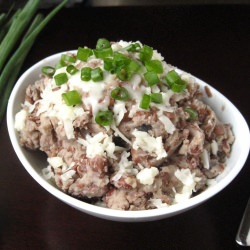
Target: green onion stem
(2,18)
(5,16)
(16,29)
(8,76)
(37,20)
(5,27)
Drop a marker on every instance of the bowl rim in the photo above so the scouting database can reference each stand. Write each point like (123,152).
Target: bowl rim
(107,213)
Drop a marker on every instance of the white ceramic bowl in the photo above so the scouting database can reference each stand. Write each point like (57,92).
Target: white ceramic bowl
(34,162)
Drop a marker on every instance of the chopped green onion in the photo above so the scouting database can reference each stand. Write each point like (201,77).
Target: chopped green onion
(72,98)
(133,47)
(154,66)
(104,118)
(120,93)
(175,82)
(61,78)
(48,70)
(122,73)
(97,74)
(146,53)
(86,74)
(103,43)
(71,69)
(172,77)
(145,101)
(151,78)
(192,113)
(68,59)
(133,66)
(83,54)
(108,64)
(103,49)
(121,59)
(156,97)
(179,87)
(60,64)
(103,53)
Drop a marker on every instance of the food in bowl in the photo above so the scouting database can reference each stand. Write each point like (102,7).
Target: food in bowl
(123,129)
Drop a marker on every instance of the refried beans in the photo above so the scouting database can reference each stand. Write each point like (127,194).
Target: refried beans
(123,129)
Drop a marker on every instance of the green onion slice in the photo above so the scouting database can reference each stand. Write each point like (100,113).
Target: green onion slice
(83,54)
(192,113)
(102,43)
(151,78)
(48,70)
(108,64)
(133,47)
(179,87)
(71,69)
(145,101)
(67,59)
(156,97)
(97,74)
(133,66)
(72,98)
(122,73)
(60,64)
(104,118)
(120,93)
(172,77)
(61,78)
(103,53)
(86,74)
(121,59)
(175,82)
(154,66)
(146,53)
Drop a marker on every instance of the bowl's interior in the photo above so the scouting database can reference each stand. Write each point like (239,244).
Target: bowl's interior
(34,162)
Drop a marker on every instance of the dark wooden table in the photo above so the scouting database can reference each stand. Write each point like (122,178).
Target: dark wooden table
(211,42)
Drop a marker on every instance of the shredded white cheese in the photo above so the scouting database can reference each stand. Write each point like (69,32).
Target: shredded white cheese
(48,172)
(157,56)
(205,159)
(120,134)
(169,126)
(119,110)
(189,181)
(20,118)
(133,110)
(56,161)
(124,166)
(214,147)
(149,143)
(158,203)
(147,175)
(67,175)
(100,144)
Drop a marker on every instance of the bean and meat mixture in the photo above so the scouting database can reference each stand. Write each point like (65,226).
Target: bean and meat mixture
(123,129)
